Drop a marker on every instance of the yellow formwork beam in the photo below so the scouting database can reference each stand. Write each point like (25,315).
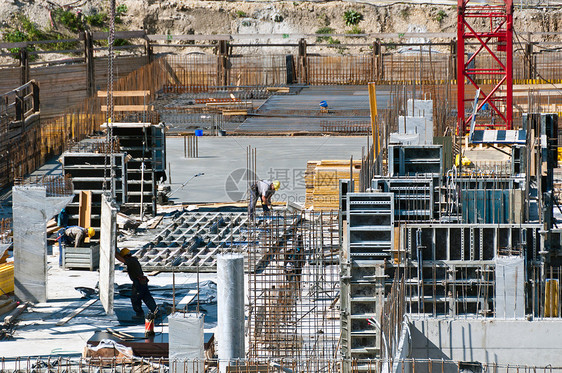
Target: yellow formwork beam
(6,278)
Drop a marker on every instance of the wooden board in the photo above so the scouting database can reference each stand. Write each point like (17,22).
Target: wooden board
(85,210)
(129,108)
(76,312)
(234,112)
(125,93)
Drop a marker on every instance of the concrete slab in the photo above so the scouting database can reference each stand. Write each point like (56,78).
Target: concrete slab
(223,160)
(506,342)
(31,211)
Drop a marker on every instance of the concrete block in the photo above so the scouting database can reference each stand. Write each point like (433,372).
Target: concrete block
(187,339)
(31,211)
(510,287)
(420,108)
(405,139)
(417,125)
(108,244)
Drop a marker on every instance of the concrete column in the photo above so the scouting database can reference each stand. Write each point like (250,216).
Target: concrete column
(108,244)
(31,211)
(230,306)
(187,339)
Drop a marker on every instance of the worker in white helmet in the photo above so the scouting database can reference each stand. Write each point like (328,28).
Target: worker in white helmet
(262,190)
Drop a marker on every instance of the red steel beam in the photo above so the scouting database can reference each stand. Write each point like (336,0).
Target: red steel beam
(499,34)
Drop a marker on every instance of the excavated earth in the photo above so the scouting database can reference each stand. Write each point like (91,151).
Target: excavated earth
(179,17)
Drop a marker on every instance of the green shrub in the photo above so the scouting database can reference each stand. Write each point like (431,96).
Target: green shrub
(96,19)
(355,30)
(352,17)
(33,33)
(440,16)
(333,41)
(119,12)
(405,13)
(324,30)
(241,14)
(67,45)
(68,19)
(324,19)
(120,42)
(121,9)
(15,37)
(278,18)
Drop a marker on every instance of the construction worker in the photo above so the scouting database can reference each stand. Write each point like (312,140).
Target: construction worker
(294,262)
(75,235)
(140,292)
(263,190)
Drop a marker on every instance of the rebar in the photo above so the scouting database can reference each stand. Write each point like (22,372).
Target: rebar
(294,288)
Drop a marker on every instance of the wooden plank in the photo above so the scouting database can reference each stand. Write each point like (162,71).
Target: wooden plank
(8,307)
(519,87)
(129,108)
(8,320)
(188,37)
(228,103)
(156,221)
(76,312)
(536,93)
(85,210)
(187,299)
(120,35)
(234,112)
(125,93)
(278,89)
(51,70)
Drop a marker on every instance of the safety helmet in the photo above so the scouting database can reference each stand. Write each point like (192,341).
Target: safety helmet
(276,184)
(91,232)
(125,252)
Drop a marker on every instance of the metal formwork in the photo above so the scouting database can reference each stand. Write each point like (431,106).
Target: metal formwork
(370,225)
(146,145)
(450,267)
(413,198)
(89,171)
(412,160)
(370,240)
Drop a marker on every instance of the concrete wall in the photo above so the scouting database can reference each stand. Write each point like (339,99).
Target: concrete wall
(31,210)
(514,342)
(108,243)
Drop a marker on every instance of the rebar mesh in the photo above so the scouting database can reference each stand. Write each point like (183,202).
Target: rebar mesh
(56,186)
(294,287)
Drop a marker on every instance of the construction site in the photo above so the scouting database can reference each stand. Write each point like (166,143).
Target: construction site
(414,201)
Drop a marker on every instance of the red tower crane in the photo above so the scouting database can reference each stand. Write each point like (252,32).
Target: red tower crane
(496,40)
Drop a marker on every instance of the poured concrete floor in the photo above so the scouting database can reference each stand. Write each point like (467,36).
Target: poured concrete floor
(223,160)
(36,333)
